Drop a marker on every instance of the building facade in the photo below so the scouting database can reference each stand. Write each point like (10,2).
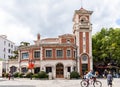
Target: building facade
(6,47)
(62,55)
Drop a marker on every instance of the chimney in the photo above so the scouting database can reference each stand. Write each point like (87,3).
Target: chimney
(38,36)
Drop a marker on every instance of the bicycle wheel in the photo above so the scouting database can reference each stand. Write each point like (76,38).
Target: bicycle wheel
(97,84)
(84,83)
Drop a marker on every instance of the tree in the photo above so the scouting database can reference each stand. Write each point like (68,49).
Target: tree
(24,43)
(15,55)
(106,46)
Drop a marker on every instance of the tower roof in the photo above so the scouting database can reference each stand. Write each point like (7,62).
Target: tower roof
(83,11)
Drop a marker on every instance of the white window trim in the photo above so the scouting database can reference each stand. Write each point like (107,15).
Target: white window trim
(62,52)
(25,52)
(34,54)
(45,53)
(70,53)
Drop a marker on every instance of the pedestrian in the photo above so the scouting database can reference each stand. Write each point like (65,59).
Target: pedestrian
(105,73)
(109,79)
(9,75)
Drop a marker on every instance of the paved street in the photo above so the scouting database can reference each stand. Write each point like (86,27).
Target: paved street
(49,83)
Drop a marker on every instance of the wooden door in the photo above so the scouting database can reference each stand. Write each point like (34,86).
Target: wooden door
(59,71)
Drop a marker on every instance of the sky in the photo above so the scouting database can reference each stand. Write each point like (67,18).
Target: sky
(22,20)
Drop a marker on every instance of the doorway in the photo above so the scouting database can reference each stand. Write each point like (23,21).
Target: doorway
(59,70)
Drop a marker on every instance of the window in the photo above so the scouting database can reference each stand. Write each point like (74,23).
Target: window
(13,69)
(25,55)
(37,70)
(68,41)
(59,53)
(68,53)
(74,54)
(4,50)
(8,50)
(24,69)
(9,44)
(48,53)
(48,69)
(37,54)
(68,69)
(84,67)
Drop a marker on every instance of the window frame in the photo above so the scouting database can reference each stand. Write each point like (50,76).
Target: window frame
(27,57)
(68,56)
(48,69)
(48,55)
(59,55)
(36,55)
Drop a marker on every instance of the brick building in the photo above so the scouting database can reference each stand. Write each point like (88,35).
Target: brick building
(66,53)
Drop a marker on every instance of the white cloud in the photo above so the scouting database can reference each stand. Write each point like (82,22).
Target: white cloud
(21,20)
(14,30)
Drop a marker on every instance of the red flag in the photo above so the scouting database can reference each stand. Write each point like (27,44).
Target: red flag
(31,66)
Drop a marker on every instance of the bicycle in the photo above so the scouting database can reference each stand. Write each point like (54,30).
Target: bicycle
(92,81)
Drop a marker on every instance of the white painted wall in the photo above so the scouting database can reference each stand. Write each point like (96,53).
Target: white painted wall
(5,45)
(53,64)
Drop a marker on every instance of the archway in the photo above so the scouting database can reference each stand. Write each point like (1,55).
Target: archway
(13,69)
(59,70)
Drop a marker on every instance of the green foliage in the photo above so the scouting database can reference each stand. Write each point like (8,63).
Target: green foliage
(6,75)
(35,76)
(16,74)
(24,44)
(15,55)
(42,74)
(20,75)
(1,59)
(106,46)
(28,75)
(74,74)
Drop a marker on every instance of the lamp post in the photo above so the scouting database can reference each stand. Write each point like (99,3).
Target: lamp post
(31,66)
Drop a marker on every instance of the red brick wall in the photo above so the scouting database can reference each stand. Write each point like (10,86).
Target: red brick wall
(87,42)
(81,42)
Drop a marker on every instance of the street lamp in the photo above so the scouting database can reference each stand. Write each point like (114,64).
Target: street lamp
(31,66)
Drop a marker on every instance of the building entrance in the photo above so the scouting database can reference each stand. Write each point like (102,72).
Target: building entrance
(59,71)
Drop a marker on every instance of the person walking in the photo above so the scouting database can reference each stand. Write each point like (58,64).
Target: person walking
(109,79)
(9,75)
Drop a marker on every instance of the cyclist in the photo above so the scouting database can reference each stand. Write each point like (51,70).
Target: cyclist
(90,74)
(85,82)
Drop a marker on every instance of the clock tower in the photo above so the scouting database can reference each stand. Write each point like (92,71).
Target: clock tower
(82,29)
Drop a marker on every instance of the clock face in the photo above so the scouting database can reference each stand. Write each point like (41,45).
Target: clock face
(84,57)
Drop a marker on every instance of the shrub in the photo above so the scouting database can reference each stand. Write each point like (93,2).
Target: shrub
(6,75)
(20,75)
(74,74)
(42,74)
(16,74)
(35,76)
(28,75)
